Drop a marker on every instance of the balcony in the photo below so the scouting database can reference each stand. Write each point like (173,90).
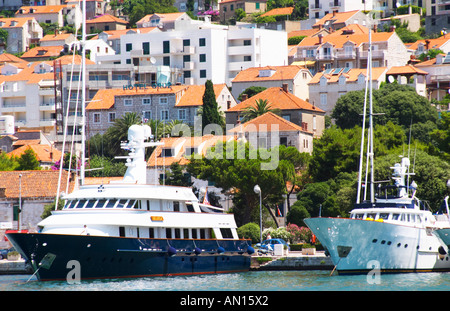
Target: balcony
(375,54)
(327,56)
(346,55)
(47,122)
(315,7)
(240,50)
(188,65)
(334,4)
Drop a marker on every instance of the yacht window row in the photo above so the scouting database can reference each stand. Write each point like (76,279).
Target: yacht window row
(401,217)
(150,205)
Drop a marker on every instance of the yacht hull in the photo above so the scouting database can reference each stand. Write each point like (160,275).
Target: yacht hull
(360,246)
(66,257)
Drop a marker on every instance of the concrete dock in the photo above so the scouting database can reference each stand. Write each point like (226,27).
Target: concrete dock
(292,261)
(14,267)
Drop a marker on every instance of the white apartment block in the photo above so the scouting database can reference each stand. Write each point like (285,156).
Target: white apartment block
(202,51)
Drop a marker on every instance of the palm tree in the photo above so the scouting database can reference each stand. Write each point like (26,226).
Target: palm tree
(262,106)
(119,131)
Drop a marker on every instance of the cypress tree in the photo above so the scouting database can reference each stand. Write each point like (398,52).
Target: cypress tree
(210,113)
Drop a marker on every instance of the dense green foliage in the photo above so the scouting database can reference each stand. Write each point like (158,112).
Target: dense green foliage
(137,9)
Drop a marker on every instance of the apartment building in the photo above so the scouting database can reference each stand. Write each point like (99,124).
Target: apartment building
(326,87)
(22,32)
(177,102)
(336,20)
(27,93)
(347,48)
(203,51)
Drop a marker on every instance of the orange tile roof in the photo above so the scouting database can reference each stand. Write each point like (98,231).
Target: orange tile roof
(194,95)
(408,69)
(34,184)
(50,51)
(20,21)
(338,17)
(432,43)
(278,98)
(279,11)
(305,32)
(351,75)
(9,58)
(270,119)
(57,37)
(106,18)
(41,9)
(104,98)
(69,59)
(44,153)
(338,39)
(281,73)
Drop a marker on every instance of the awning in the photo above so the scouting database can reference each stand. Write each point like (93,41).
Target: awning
(304,63)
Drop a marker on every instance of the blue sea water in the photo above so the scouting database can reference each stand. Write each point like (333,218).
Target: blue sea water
(246,281)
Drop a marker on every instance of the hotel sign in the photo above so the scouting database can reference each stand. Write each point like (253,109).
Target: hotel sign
(147,85)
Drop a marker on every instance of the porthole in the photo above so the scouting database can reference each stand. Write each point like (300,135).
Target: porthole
(406,245)
(399,244)
(389,243)
(383,242)
(374,241)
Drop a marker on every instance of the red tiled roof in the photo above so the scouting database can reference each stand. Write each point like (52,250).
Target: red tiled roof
(270,119)
(44,153)
(279,11)
(278,98)
(34,184)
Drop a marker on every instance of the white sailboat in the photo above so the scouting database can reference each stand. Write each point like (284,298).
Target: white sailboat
(392,231)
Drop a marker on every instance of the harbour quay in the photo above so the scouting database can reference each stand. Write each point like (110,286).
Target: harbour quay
(294,260)
(15,267)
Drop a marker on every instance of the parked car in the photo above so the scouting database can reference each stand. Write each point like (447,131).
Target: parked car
(268,245)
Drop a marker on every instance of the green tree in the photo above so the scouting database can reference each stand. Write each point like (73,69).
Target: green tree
(251,91)
(7,163)
(106,167)
(399,104)
(210,114)
(176,177)
(4,37)
(249,231)
(136,9)
(234,166)
(28,161)
(49,208)
(262,106)
(441,136)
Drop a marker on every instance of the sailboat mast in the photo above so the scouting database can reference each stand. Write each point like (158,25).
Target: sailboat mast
(372,181)
(83,94)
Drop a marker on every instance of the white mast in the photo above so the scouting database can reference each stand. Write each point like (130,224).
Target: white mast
(370,131)
(83,94)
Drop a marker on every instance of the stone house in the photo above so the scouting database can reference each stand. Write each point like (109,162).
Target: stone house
(22,32)
(166,103)
(270,130)
(293,109)
(106,22)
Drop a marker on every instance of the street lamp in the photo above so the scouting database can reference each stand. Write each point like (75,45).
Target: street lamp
(257,190)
